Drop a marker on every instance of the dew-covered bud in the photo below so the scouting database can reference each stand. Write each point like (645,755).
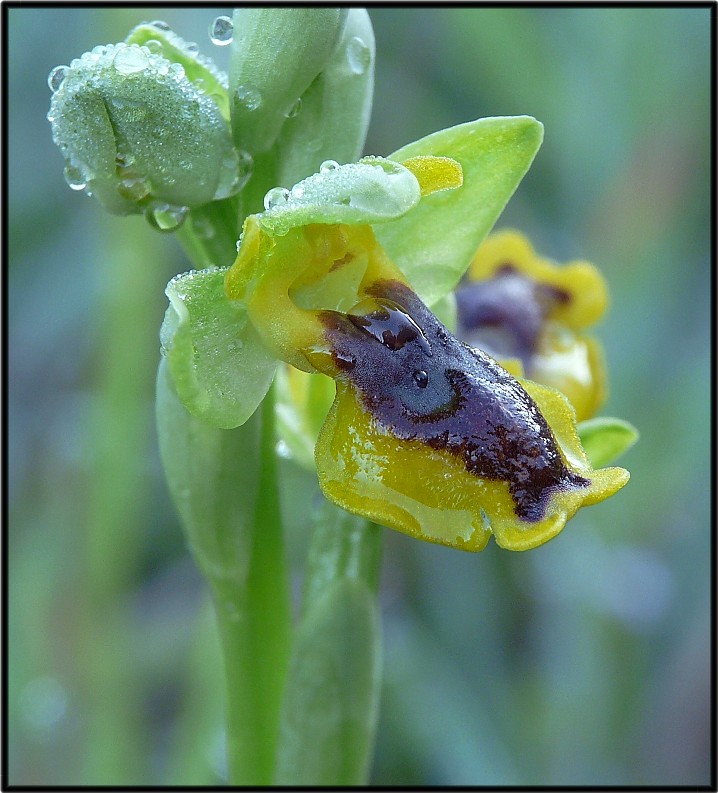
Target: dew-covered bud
(140,133)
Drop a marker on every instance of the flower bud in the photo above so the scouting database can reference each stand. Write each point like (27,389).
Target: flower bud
(276,55)
(335,109)
(139,135)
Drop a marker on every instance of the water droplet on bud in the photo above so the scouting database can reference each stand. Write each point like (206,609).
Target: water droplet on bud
(159,24)
(177,71)
(154,46)
(57,76)
(248,96)
(74,177)
(124,159)
(328,166)
(295,108)
(133,189)
(421,378)
(358,55)
(221,31)
(165,217)
(130,60)
(276,197)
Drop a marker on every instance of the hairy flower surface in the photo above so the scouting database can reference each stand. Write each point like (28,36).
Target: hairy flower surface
(529,313)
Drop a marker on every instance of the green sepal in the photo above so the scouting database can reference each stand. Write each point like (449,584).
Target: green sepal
(200,70)
(276,54)
(373,190)
(335,110)
(433,245)
(605,439)
(220,368)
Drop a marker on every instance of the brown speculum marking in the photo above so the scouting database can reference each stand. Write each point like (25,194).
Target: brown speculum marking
(421,383)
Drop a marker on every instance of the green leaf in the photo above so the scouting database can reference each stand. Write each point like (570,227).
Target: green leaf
(224,486)
(276,54)
(334,114)
(604,439)
(330,709)
(213,476)
(220,368)
(331,701)
(373,190)
(434,243)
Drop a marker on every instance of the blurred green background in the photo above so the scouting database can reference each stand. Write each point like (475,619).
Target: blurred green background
(584,662)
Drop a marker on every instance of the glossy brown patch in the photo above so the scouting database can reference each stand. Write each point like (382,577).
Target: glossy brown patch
(421,383)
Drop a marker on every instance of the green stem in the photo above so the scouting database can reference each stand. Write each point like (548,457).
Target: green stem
(255,631)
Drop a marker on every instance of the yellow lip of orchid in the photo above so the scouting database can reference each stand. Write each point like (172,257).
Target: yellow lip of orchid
(435,439)
(538,330)
(425,435)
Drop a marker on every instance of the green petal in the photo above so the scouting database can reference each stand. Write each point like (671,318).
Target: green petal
(434,243)
(604,439)
(220,368)
(373,190)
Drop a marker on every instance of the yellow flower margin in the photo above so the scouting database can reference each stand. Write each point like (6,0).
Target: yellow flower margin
(294,286)
(565,358)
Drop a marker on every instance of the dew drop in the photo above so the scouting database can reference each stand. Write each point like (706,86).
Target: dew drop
(154,46)
(192,48)
(276,197)
(249,97)
(421,378)
(165,217)
(234,174)
(294,109)
(177,71)
(74,177)
(57,76)
(133,189)
(328,166)
(297,191)
(221,31)
(358,55)
(130,60)
(124,159)
(159,24)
